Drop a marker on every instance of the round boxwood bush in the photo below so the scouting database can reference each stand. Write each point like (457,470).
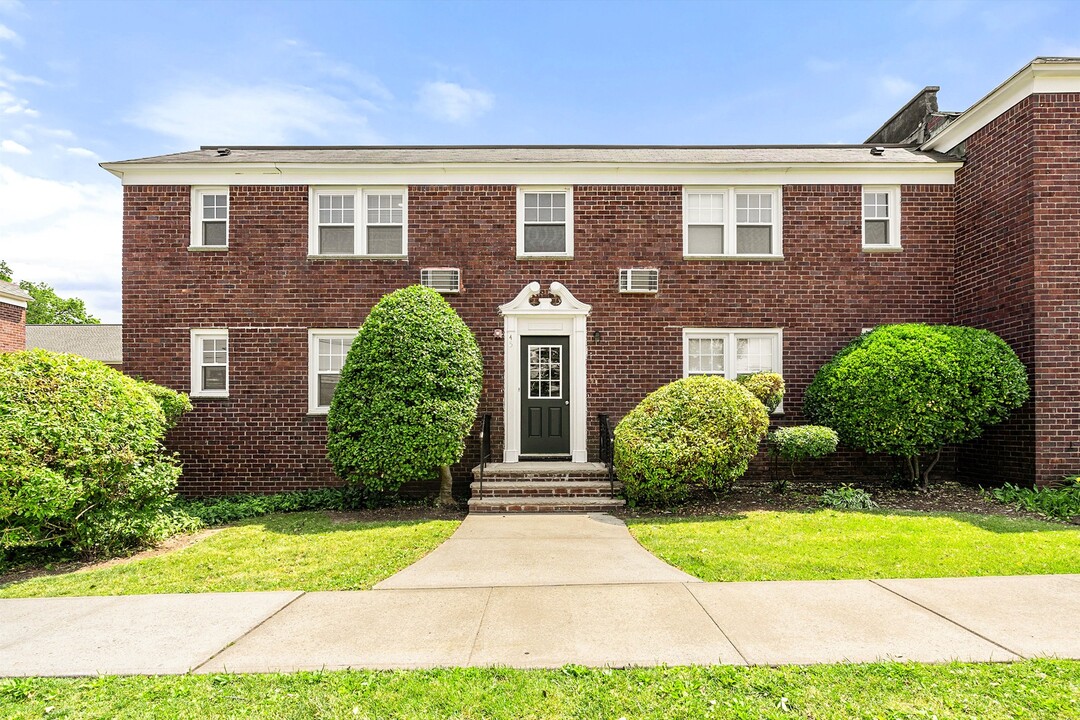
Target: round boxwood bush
(768,387)
(82,466)
(407,396)
(909,390)
(698,431)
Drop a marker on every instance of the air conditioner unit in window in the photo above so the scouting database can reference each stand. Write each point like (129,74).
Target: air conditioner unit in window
(639,280)
(444,280)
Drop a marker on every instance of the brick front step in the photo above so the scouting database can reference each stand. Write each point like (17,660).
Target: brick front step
(543,504)
(542,488)
(542,472)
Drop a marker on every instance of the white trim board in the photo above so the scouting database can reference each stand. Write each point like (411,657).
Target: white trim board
(868,173)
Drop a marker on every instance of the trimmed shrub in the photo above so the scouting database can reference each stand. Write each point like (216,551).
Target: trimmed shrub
(909,390)
(798,443)
(407,396)
(698,431)
(847,497)
(768,387)
(82,466)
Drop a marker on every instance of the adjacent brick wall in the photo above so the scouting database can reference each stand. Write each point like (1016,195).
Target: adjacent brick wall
(995,281)
(1056,197)
(1017,254)
(268,293)
(12,327)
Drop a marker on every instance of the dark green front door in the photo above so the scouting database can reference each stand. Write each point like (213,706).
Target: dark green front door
(545,395)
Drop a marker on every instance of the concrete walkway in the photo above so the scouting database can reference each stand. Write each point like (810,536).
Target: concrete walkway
(540,611)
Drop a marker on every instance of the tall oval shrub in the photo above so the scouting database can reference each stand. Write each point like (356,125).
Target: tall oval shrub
(909,390)
(82,464)
(407,396)
(698,431)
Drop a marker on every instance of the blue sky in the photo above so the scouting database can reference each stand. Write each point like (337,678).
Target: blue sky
(84,82)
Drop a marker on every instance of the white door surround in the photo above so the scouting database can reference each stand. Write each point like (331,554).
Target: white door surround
(560,314)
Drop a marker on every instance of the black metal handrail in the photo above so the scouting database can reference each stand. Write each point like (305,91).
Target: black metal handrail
(485,448)
(607,449)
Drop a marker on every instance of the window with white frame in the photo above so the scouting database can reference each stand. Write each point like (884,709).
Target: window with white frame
(327,350)
(210,363)
(731,352)
(210,217)
(881,218)
(731,222)
(358,222)
(545,222)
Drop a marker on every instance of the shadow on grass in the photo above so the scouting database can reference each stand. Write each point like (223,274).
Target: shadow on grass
(990,523)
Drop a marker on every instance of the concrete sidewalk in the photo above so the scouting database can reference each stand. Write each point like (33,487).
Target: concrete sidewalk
(599,616)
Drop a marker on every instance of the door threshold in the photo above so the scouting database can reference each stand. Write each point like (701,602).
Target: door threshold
(545,458)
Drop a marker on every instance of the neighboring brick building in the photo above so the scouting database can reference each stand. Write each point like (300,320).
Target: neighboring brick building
(247,270)
(13,300)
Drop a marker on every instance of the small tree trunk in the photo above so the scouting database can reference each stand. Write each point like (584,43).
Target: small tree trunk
(446,487)
(926,473)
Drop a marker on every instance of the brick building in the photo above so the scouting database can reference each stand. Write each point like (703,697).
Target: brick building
(605,272)
(13,300)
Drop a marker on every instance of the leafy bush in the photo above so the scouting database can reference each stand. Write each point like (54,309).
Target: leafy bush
(909,390)
(700,430)
(230,508)
(1061,502)
(407,396)
(847,497)
(801,442)
(768,387)
(82,467)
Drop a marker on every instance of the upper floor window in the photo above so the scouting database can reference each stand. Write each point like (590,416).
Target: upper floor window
(210,217)
(210,363)
(731,222)
(545,222)
(881,218)
(327,350)
(358,222)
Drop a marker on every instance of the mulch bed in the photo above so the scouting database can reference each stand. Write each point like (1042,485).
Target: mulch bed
(943,497)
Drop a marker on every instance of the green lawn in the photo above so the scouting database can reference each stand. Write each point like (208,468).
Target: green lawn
(833,545)
(295,551)
(1031,689)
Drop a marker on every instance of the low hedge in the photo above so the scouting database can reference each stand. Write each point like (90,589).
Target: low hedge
(699,431)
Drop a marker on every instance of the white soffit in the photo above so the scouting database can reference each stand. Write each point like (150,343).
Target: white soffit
(868,173)
(1041,76)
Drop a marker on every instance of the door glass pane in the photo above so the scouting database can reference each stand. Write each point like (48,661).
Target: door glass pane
(545,372)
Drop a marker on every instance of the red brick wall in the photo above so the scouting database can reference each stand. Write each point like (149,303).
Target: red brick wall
(12,327)
(266,290)
(1017,250)
(1056,197)
(995,287)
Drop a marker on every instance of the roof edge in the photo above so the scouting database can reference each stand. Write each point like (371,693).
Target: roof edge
(1041,75)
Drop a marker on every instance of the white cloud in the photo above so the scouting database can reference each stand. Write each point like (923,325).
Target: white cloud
(897,87)
(253,115)
(450,102)
(10,146)
(319,63)
(11,105)
(66,234)
(82,152)
(9,35)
